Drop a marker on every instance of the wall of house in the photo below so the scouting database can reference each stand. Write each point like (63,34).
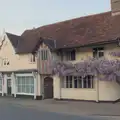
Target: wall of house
(17,62)
(103,91)
(109,90)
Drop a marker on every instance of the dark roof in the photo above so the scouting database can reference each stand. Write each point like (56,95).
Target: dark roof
(14,39)
(50,43)
(23,45)
(80,31)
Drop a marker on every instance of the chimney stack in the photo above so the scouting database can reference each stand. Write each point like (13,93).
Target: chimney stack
(115,7)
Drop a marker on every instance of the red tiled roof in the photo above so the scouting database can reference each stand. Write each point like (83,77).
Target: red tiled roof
(80,31)
(71,33)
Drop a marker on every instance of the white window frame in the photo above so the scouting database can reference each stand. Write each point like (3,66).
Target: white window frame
(28,74)
(24,75)
(64,83)
(5,61)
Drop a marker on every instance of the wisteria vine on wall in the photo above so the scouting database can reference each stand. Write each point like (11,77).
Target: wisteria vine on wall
(115,54)
(104,68)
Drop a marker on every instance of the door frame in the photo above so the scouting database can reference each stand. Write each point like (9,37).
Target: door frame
(45,78)
(8,76)
(10,86)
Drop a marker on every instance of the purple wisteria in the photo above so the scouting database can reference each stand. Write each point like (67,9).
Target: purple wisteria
(115,54)
(104,68)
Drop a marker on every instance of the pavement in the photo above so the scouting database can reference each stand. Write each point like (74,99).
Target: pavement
(81,110)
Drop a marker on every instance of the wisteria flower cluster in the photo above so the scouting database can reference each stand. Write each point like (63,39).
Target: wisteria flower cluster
(102,67)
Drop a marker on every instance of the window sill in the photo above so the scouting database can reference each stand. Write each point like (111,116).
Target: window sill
(81,88)
(4,66)
(25,93)
(32,62)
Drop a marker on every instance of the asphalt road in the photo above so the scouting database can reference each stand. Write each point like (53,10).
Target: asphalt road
(10,111)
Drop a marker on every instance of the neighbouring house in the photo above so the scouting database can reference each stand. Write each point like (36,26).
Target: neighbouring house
(74,40)
(18,67)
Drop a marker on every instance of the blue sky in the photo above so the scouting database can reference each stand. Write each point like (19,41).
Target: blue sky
(18,15)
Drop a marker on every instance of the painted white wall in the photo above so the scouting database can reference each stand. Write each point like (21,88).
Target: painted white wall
(108,90)
(57,87)
(17,62)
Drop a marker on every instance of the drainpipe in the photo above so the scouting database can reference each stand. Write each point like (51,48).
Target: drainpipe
(2,84)
(35,83)
(60,78)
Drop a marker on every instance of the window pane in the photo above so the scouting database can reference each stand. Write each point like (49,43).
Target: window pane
(70,81)
(94,52)
(42,54)
(84,83)
(27,80)
(101,54)
(18,80)
(100,48)
(27,89)
(73,55)
(19,88)
(45,54)
(98,52)
(33,57)
(75,82)
(68,56)
(32,80)
(79,82)
(32,89)
(23,80)
(67,82)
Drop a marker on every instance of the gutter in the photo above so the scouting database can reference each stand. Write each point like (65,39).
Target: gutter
(89,45)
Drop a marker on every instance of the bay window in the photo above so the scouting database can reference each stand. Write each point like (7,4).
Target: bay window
(25,84)
(78,82)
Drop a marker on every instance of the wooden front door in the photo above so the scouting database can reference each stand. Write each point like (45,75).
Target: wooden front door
(9,86)
(48,88)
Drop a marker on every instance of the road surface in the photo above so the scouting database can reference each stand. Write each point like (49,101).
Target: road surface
(11,111)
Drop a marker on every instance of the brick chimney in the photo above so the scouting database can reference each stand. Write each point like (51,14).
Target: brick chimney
(115,7)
